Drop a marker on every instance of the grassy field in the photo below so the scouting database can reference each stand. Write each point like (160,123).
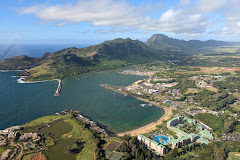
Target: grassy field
(192,90)
(46,120)
(211,89)
(233,156)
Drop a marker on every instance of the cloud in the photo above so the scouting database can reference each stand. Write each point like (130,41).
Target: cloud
(185,17)
(184,3)
(30,10)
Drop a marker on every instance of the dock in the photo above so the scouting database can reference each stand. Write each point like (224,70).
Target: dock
(58,91)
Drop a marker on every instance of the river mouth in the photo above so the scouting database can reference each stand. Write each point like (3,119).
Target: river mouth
(21,103)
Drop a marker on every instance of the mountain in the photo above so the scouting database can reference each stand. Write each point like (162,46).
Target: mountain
(19,63)
(161,41)
(105,56)
(74,61)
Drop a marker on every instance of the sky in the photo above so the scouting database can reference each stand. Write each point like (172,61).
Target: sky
(95,21)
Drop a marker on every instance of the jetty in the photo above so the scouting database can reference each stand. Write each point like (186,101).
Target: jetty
(58,91)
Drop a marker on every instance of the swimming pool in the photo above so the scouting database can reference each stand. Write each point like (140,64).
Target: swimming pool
(159,137)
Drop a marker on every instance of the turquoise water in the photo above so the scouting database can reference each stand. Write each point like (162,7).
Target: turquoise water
(20,103)
(158,139)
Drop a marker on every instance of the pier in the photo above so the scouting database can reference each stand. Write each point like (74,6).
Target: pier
(58,91)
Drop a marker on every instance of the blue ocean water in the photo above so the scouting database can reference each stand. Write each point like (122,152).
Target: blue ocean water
(23,102)
(32,50)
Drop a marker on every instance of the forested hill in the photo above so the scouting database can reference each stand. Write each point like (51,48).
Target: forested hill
(107,55)
(161,41)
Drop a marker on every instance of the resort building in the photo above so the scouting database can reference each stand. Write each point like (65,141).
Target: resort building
(157,147)
(184,138)
(158,141)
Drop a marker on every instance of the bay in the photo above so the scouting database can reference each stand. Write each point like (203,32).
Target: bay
(23,102)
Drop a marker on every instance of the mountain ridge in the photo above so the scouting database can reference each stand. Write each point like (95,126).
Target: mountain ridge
(112,54)
(161,41)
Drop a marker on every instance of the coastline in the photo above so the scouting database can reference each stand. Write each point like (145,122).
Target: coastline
(149,127)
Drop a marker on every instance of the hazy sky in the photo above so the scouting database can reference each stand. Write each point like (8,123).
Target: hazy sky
(93,21)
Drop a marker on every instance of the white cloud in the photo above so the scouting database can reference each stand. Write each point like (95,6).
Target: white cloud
(208,6)
(186,17)
(30,10)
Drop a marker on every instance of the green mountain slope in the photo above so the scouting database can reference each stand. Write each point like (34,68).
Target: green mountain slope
(74,61)
(161,41)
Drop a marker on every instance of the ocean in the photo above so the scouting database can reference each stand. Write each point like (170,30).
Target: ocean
(33,50)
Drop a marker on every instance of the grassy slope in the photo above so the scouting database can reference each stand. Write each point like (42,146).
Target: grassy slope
(79,131)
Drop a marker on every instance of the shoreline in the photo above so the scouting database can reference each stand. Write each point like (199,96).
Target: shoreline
(149,127)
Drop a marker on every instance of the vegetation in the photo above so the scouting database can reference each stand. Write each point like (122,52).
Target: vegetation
(133,149)
(219,124)
(64,137)
(215,150)
(232,84)
(214,101)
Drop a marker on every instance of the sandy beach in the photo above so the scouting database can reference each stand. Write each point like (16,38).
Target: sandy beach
(149,127)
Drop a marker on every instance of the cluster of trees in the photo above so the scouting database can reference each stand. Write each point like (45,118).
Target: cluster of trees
(215,150)
(178,152)
(219,124)
(215,101)
(184,84)
(133,149)
(230,83)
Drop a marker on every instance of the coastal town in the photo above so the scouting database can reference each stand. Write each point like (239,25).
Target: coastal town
(166,92)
